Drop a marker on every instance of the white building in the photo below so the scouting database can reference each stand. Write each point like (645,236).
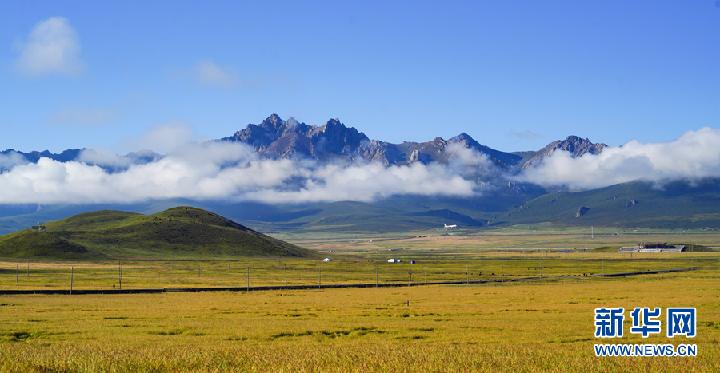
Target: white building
(653,248)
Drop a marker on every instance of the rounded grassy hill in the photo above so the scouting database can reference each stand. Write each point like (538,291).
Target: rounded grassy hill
(177,232)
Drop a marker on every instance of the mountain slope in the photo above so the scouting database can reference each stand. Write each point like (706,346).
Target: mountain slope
(177,232)
(392,214)
(678,204)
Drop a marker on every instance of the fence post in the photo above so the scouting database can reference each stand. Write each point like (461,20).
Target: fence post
(500,272)
(72,278)
(377,276)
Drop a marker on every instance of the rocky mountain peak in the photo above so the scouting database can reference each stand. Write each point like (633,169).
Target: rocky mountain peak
(276,138)
(578,146)
(463,138)
(273,121)
(575,145)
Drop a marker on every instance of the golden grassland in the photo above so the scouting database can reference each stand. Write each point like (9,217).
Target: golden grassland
(444,265)
(462,255)
(540,325)
(501,327)
(470,242)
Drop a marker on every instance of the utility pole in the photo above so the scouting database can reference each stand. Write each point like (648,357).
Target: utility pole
(319,277)
(17,274)
(592,230)
(377,276)
(467,275)
(502,277)
(248,280)
(27,274)
(72,278)
(120,275)
(410,280)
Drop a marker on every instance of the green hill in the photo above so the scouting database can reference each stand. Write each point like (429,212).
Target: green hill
(177,232)
(678,204)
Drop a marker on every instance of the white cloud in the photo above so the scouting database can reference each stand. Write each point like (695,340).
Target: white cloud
(51,48)
(233,171)
(165,138)
(220,170)
(474,165)
(103,158)
(696,154)
(466,156)
(211,74)
(11,159)
(368,182)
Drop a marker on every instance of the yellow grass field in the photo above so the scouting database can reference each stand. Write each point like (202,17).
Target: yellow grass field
(369,268)
(524,327)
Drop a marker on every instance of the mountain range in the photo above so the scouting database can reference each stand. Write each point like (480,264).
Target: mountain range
(277,138)
(503,201)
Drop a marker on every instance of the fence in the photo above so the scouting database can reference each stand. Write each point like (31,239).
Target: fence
(148,274)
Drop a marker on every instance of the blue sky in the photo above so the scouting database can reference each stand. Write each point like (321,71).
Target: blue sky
(513,74)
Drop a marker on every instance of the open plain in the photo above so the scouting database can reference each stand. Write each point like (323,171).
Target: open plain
(544,321)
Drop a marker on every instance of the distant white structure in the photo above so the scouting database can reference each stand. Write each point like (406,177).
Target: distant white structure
(450,226)
(393,260)
(654,248)
(327,260)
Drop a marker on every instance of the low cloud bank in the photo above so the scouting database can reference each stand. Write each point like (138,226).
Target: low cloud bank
(694,155)
(218,170)
(233,171)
